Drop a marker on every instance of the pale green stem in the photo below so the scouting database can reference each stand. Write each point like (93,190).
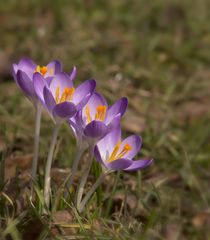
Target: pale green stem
(36,142)
(49,164)
(80,151)
(90,192)
(80,189)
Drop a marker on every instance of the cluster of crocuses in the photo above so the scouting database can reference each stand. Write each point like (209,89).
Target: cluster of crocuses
(96,125)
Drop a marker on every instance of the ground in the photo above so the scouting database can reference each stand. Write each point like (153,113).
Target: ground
(157,53)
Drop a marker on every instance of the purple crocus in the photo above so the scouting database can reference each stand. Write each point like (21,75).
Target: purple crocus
(60,97)
(23,74)
(114,154)
(96,119)
(62,100)
(91,124)
(24,71)
(117,154)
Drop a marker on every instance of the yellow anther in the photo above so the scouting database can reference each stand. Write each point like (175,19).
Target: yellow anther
(57,94)
(66,95)
(87,111)
(43,70)
(69,93)
(114,154)
(125,149)
(37,69)
(51,71)
(100,113)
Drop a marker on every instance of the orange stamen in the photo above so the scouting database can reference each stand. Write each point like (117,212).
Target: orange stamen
(67,94)
(101,113)
(114,154)
(125,149)
(43,70)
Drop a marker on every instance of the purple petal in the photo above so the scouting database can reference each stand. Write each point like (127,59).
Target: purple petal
(113,138)
(64,110)
(95,129)
(107,144)
(77,119)
(49,99)
(77,133)
(97,155)
(139,164)
(119,164)
(62,81)
(27,66)
(14,71)
(83,93)
(26,84)
(135,142)
(95,100)
(53,68)
(26,63)
(48,80)
(114,123)
(73,74)
(119,107)
(77,128)
(39,84)
(101,154)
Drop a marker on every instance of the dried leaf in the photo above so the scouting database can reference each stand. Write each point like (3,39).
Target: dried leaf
(193,110)
(13,163)
(65,221)
(201,219)
(63,217)
(59,175)
(172,231)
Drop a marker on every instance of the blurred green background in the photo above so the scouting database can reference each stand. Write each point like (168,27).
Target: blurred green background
(157,53)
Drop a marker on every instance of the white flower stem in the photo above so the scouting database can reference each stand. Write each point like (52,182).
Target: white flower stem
(80,151)
(49,164)
(80,189)
(90,192)
(36,142)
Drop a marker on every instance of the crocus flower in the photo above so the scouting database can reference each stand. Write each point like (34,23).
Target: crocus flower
(114,154)
(60,97)
(23,74)
(96,119)
(117,154)
(24,71)
(90,124)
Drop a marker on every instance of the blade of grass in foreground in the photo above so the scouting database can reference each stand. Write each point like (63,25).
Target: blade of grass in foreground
(109,204)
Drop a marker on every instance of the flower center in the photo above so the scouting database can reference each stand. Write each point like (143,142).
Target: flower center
(65,96)
(100,113)
(41,69)
(115,155)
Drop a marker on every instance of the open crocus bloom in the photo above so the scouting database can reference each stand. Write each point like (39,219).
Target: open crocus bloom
(96,119)
(24,71)
(60,97)
(116,154)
